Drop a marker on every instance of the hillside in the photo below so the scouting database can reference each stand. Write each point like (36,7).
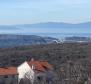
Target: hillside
(58,53)
(19,40)
(73,58)
(75,55)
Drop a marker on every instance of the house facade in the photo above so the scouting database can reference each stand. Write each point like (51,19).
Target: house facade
(26,74)
(35,71)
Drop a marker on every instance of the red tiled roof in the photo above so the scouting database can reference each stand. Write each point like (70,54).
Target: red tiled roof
(46,64)
(8,71)
(40,65)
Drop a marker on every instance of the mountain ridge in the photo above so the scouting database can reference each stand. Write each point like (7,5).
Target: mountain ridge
(49,24)
(55,24)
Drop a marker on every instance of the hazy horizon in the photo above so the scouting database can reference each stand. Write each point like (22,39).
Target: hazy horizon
(19,12)
(46,28)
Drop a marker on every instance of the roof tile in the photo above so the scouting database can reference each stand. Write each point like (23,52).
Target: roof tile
(8,71)
(40,65)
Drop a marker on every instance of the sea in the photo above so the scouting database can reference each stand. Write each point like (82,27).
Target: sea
(62,35)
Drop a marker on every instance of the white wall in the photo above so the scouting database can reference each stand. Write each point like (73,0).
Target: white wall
(25,70)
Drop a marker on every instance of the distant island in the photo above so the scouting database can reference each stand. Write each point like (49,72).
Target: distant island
(7,40)
(78,39)
(47,27)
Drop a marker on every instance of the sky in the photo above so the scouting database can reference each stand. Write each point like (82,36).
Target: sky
(36,11)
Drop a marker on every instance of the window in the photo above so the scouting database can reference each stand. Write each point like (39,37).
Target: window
(6,76)
(13,76)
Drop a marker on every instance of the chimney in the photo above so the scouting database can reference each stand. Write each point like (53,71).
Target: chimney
(33,66)
(32,59)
